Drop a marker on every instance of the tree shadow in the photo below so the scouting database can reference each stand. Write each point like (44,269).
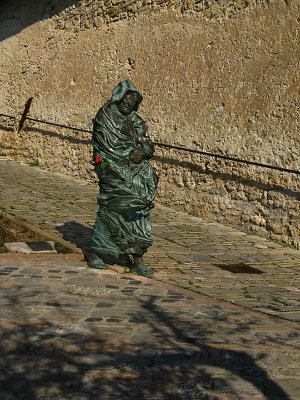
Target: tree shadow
(41,359)
(236,362)
(16,15)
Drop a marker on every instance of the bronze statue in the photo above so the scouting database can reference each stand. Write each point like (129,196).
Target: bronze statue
(127,182)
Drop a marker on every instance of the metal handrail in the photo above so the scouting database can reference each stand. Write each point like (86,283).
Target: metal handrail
(238,160)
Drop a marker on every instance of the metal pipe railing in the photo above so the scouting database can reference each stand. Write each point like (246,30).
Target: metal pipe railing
(234,159)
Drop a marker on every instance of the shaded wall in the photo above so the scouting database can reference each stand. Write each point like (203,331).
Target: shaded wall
(216,76)
(15,15)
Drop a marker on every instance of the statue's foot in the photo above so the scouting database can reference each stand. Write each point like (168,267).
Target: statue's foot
(142,270)
(96,262)
(125,260)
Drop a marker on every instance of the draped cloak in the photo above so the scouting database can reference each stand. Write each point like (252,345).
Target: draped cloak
(127,189)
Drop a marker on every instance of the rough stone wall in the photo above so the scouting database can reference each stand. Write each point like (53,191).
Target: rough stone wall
(219,76)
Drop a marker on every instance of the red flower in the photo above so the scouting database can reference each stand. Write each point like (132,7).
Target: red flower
(97,159)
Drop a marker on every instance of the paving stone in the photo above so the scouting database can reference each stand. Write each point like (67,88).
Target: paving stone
(292,316)
(68,331)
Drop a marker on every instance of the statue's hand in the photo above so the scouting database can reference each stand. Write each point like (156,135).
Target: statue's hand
(149,143)
(136,158)
(128,128)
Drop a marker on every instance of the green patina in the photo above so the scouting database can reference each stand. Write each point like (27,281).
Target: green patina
(127,181)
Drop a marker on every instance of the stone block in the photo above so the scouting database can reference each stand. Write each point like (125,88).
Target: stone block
(28,248)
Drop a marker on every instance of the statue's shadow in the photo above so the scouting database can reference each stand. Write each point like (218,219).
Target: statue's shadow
(77,234)
(81,236)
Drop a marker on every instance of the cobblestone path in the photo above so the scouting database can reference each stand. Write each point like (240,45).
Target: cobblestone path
(71,332)
(188,251)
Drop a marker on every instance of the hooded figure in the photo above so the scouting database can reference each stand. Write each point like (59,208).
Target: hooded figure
(127,182)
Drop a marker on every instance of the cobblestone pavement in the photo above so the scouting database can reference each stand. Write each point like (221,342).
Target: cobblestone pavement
(71,332)
(188,251)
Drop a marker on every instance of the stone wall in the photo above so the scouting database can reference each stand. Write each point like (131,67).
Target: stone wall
(219,76)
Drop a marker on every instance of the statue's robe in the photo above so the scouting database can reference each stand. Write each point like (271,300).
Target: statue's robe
(127,189)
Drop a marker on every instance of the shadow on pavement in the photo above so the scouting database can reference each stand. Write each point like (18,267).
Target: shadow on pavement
(77,234)
(81,235)
(45,360)
(240,268)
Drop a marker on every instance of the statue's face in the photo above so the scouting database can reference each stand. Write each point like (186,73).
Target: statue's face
(126,105)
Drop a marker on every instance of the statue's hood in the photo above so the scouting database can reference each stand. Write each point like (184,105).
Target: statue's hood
(122,88)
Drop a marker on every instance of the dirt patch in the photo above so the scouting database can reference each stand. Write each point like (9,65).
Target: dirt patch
(12,232)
